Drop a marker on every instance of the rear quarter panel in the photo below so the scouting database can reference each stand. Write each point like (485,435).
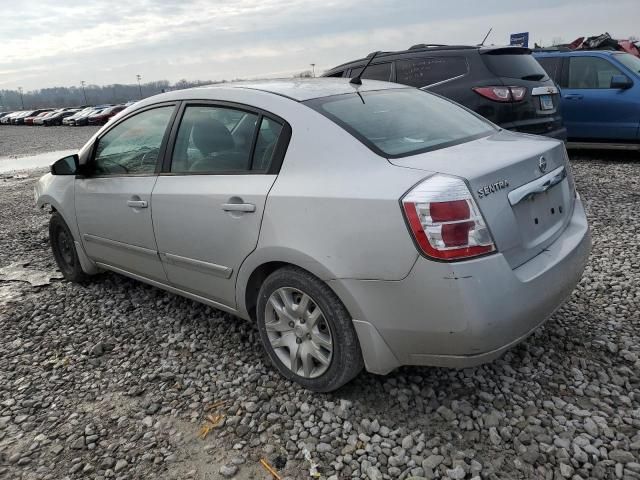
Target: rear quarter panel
(334,208)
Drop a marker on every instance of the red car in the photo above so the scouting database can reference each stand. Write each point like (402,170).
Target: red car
(103,117)
(38,113)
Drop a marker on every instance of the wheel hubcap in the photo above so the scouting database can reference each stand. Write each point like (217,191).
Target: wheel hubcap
(298,332)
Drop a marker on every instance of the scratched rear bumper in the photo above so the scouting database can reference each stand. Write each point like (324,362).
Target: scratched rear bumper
(465,313)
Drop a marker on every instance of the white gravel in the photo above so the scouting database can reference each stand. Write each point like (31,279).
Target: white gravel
(114,379)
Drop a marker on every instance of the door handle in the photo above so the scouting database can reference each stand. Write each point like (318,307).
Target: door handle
(574,96)
(137,203)
(239,207)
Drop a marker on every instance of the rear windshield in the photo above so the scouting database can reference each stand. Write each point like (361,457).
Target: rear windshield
(522,66)
(401,122)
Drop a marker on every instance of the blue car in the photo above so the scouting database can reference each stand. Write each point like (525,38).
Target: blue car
(600,95)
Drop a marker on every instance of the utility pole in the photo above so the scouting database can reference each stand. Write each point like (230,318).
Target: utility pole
(21,98)
(139,86)
(82,82)
(313,69)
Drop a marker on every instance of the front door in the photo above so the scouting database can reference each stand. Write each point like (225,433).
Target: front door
(207,209)
(113,201)
(591,108)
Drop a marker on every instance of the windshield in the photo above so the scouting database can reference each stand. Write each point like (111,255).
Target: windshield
(629,61)
(520,66)
(402,122)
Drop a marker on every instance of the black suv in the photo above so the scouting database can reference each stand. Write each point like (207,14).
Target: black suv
(504,84)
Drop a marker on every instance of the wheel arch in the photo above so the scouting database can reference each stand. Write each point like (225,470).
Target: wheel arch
(261,263)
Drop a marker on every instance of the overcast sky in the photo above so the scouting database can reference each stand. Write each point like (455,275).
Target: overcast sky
(60,42)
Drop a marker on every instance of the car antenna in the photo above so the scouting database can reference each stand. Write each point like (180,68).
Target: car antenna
(356,80)
(485,37)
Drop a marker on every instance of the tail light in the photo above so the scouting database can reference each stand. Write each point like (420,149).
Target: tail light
(445,220)
(502,94)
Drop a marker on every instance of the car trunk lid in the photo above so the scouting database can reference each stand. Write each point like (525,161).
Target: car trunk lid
(527,168)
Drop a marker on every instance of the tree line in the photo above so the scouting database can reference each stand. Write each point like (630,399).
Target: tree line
(57,97)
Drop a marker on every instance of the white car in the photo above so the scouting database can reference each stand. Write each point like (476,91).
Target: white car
(371,225)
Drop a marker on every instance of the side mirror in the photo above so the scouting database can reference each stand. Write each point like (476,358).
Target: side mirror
(66,166)
(621,82)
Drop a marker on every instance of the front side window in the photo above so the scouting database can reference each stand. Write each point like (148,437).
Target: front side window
(424,71)
(629,61)
(381,71)
(591,72)
(403,121)
(132,146)
(214,139)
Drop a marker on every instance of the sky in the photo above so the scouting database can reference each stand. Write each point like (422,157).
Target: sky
(48,43)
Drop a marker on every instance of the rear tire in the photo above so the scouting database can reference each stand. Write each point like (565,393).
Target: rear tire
(64,250)
(306,331)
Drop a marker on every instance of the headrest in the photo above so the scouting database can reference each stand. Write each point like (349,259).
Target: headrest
(210,135)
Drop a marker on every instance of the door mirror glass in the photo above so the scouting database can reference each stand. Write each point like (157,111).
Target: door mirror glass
(621,81)
(66,166)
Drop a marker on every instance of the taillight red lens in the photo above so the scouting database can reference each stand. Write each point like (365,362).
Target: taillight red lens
(448,211)
(456,234)
(502,94)
(445,220)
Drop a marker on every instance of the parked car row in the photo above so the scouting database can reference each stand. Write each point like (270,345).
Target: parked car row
(71,116)
(581,96)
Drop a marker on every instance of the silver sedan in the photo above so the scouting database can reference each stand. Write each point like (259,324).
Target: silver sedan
(370,225)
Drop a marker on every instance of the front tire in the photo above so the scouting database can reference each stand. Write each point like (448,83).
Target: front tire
(306,331)
(64,250)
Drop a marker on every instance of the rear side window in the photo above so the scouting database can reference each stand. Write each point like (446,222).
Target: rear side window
(217,139)
(591,72)
(266,143)
(381,71)
(552,66)
(401,122)
(521,66)
(336,74)
(214,139)
(425,71)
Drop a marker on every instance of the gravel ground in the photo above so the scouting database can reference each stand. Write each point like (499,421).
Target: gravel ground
(114,379)
(26,140)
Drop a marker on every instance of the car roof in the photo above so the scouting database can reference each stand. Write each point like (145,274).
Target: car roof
(299,90)
(423,48)
(576,53)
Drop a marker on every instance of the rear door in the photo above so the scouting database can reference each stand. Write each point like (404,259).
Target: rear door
(428,72)
(208,203)
(113,199)
(591,108)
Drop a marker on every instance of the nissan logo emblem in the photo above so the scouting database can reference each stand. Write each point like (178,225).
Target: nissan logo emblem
(542,164)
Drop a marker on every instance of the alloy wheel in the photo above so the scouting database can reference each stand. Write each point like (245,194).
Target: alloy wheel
(298,332)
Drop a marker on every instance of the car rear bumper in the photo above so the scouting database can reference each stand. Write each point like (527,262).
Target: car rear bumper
(466,313)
